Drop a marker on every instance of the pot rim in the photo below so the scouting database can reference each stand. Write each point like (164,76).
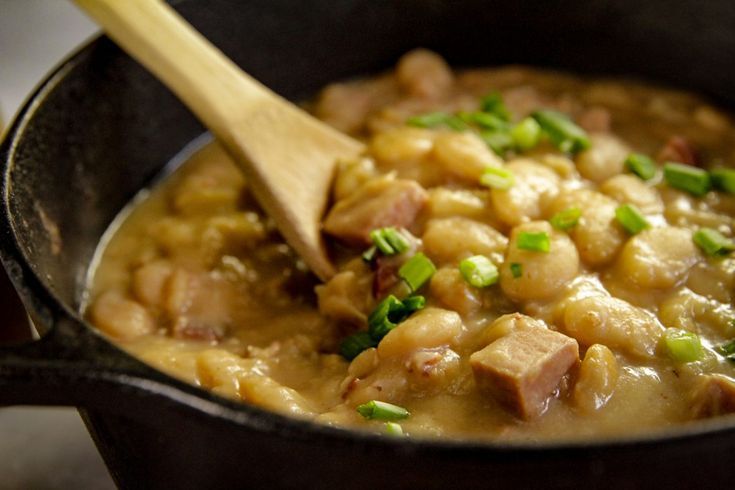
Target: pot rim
(41,300)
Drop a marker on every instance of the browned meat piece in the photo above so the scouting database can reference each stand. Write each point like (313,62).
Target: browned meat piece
(186,328)
(678,149)
(379,203)
(595,120)
(522,369)
(714,395)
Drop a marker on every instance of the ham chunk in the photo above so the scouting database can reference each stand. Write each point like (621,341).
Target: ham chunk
(522,369)
(714,395)
(379,203)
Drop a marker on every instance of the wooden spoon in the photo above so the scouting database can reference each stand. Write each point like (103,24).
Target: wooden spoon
(287,156)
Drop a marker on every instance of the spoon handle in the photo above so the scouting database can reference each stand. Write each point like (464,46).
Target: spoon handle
(208,82)
(288,157)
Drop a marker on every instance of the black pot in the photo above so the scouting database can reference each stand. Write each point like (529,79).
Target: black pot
(99,128)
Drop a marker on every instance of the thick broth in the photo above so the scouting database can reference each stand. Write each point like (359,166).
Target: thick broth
(196,280)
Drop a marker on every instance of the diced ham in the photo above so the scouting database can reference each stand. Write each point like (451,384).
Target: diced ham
(678,149)
(714,395)
(379,203)
(522,369)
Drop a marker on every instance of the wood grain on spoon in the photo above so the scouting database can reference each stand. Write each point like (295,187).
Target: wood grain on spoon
(287,155)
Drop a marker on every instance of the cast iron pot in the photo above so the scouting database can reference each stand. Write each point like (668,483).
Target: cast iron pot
(99,128)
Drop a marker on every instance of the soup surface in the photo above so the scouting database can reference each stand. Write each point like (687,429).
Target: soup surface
(523,255)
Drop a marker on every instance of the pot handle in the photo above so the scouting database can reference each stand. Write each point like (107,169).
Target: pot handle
(70,365)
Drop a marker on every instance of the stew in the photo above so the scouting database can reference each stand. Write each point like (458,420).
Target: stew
(523,255)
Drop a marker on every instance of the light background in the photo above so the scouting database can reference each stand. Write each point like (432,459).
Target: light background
(41,448)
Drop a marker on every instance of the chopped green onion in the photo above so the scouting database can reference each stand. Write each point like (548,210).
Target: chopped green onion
(641,165)
(564,220)
(565,135)
(377,410)
(479,271)
(390,312)
(728,350)
(497,178)
(484,120)
(682,346)
(687,178)
(536,241)
(526,134)
(516,270)
(389,241)
(413,303)
(435,119)
(631,218)
(380,321)
(712,242)
(429,120)
(723,179)
(369,254)
(393,429)
(416,271)
(499,141)
(493,103)
(354,344)
(456,124)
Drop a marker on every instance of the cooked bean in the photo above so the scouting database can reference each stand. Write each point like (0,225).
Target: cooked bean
(597,235)
(452,291)
(543,274)
(626,188)
(658,258)
(598,376)
(464,155)
(449,240)
(120,317)
(424,74)
(534,189)
(613,323)
(432,327)
(603,159)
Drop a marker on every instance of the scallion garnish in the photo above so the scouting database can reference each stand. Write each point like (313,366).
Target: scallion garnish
(687,178)
(369,254)
(712,242)
(416,271)
(526,134)
(723,179)
(389,241)
(484,120)
(497,178)
(565,135)
(493,104)
(641,165)
(536,241)
(499,141)
(516,270)
(564,220)
(682,346)
(479,271)
(413,303)
(377,410)
(430,120)
(631,218)
(356,343)
(393,429)
(390,312)
(728,350)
